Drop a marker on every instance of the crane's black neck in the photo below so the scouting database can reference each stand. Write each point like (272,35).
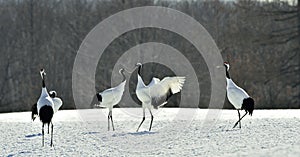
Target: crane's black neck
(139,70)
(43,81)
(122,73)
(227,73)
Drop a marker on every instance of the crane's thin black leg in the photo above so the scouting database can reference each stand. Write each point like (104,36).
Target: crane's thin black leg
(43,135)
(51,143)
(48,128)
(142,120)
(240,125)
(112,122)
(239,120)
(151,120)
(108,121)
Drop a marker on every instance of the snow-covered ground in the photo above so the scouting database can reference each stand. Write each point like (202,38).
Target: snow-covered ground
(175,132)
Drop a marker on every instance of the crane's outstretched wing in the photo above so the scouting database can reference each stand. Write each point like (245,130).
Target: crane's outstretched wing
(162,90)
(57,103)
(34,112)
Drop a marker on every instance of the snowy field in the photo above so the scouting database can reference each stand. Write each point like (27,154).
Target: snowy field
(175,132)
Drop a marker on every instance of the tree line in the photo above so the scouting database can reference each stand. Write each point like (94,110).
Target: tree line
(259,39)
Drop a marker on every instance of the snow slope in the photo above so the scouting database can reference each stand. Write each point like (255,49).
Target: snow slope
(175,132)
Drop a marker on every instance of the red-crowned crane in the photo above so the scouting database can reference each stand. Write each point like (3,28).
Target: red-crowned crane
(157,92)
(45,107)
(238,97)
(111,97)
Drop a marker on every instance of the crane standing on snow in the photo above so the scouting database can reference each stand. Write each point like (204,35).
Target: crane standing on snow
(238,97)
(157,93)
(111,97)
(46,106)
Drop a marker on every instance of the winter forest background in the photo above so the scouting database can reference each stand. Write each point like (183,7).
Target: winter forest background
(259,39)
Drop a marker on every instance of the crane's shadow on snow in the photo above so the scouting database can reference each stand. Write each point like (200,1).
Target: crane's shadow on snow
(118,134)
(33,135)
(224,130)
(20,153)
(135,133)
(90,133)
(142,133)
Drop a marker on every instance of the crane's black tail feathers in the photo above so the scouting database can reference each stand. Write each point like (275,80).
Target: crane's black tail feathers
(99,97)
(34,112)
(46,114)
(248,105)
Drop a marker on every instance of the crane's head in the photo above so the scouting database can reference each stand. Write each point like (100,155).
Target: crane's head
(226,64)
(52,94)
(121,70)
(138,64)
(42,72)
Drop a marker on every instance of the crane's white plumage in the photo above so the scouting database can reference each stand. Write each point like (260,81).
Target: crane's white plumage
(235,94)
(44,99)
(157,92)
(238,97)
(111,97)
(57,102)
(154,81)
